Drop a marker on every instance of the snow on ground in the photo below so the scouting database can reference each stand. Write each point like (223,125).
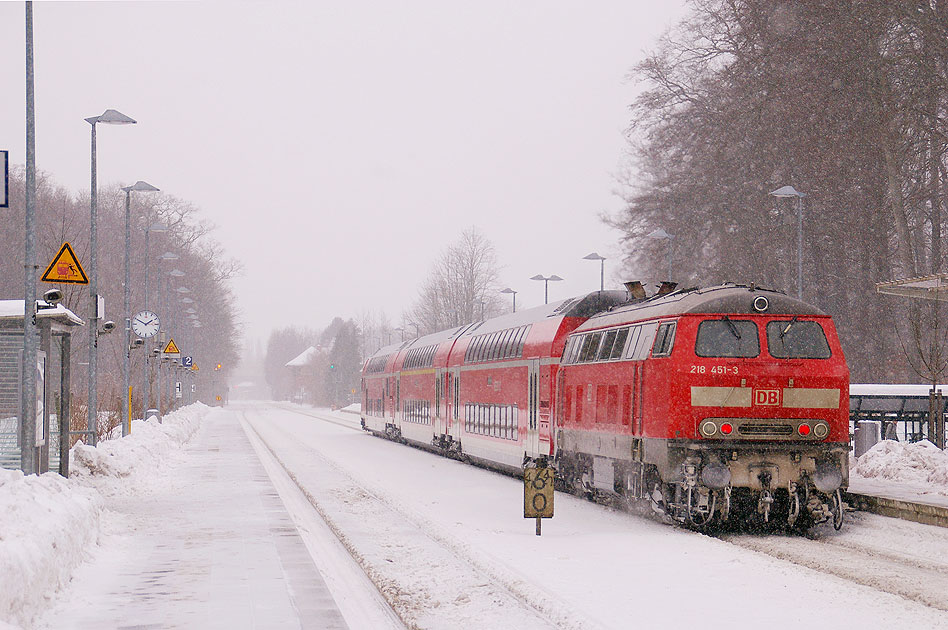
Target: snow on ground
(448,544)
(49,525)
(901,470)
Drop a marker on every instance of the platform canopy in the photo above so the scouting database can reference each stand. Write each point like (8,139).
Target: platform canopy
(934,287)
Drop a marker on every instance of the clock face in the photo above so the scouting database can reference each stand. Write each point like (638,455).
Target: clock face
(145,324)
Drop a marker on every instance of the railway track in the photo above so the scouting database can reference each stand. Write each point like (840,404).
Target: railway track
(907,561)
(885,554)
(408,567)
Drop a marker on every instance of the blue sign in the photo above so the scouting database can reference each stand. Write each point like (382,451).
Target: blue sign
(186,361)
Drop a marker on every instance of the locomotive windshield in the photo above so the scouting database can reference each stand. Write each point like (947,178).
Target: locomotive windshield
(795,339)
(727,338)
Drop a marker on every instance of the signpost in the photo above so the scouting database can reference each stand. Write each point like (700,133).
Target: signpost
(538,494)
(4,179)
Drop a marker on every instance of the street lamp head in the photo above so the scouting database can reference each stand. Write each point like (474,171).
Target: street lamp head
(140,186)
(539,277)
(787,191)
(183,290)
(177,273)
(593,256)
(660,233)
(508,290)
(169,256)
(157,227)
(187,300)
(111,117)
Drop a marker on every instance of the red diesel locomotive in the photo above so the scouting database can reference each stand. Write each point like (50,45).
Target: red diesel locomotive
(718,404)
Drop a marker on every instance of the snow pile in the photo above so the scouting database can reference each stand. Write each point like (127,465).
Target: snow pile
(49,524)
(46,524)
(138,455)
(918,463)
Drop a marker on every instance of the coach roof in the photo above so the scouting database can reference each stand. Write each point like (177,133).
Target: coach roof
(726,298)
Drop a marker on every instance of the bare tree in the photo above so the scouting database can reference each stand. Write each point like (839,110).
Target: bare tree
(461,286)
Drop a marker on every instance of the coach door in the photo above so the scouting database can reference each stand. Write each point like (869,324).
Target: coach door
(454,415)
(440,422)
(533,403)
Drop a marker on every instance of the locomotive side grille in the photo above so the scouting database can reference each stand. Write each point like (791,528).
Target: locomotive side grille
(765,430)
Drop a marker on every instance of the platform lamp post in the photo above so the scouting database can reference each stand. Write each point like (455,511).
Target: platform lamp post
(138,186)
(146,390)
(108,117)
(164,327)
(546,285)
(662,235)
(173,330)
(602,268)
(514,293)
(789,192)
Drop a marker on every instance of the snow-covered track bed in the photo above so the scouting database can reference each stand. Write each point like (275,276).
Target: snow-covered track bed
(886,554)
(429,577)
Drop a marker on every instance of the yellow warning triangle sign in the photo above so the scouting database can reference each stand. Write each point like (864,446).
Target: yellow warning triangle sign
(65,268)
(171,348)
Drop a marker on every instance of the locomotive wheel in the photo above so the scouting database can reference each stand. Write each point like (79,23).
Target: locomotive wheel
(836,507)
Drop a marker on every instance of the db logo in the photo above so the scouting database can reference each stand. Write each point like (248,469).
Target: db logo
(767,397)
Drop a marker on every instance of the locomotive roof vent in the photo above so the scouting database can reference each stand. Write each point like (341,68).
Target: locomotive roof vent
(636,289)
(665,288)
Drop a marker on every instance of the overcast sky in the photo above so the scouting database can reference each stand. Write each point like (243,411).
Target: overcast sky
(340,146)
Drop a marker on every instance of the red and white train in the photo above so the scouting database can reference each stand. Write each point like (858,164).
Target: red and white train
(717,404)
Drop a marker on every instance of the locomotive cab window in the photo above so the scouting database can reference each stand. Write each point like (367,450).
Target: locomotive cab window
(793,339)
(729,338)
(664,340)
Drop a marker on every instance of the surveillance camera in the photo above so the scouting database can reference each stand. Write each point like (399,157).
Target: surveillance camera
(53,296)
(108,326)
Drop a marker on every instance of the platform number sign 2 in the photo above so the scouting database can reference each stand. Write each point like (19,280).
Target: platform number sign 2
(187,362)
(538,494)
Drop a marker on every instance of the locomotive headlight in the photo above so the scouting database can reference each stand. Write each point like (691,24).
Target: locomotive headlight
(708,428)
(821,430)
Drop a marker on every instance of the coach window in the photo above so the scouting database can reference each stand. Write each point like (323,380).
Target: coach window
(608,340)
(727,338)
(499,345)
(664,340)
(510,348)
(522,339)
(793,339)
(481,348)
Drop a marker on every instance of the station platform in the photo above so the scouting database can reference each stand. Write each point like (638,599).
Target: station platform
(214,547)
(921,504)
